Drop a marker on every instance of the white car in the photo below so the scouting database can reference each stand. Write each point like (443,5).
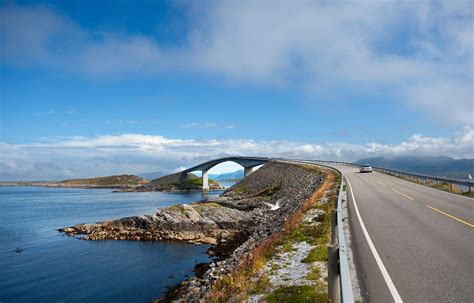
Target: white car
(365,168)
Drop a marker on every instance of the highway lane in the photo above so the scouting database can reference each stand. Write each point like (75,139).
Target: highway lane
(423,237)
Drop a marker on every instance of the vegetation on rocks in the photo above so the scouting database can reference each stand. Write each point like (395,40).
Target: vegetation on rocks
(119,181)
(296,264)
(245,232)
(295,254)
(179,182)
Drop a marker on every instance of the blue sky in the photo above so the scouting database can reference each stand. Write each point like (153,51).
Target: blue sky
(132,80)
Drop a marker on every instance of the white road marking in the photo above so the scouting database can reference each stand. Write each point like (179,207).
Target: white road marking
(383,270)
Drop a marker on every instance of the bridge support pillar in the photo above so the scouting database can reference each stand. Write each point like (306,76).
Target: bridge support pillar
(247,171)
(205,180)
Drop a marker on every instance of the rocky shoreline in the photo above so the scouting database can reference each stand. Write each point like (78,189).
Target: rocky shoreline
(235,223)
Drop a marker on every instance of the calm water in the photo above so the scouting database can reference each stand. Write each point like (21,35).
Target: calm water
(57,268)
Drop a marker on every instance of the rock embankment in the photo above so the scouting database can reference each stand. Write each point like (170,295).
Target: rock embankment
(288,185)
(200,222)
(236,222)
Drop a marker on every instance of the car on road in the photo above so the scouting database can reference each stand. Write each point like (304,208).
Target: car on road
(365,168)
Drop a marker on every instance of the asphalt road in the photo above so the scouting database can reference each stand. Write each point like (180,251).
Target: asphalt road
(424,239)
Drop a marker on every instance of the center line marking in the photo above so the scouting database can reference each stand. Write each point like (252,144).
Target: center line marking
(383,270)
(408,197)
(382,183)
(450,216)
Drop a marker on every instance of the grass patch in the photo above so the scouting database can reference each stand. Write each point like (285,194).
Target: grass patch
(317,254)
(192,182)
(297,294)
(445,186)
(269,192)
(234,287)
(177,209)
(261,285)
(314,274)
(287,247)
(240,190)
(200,206)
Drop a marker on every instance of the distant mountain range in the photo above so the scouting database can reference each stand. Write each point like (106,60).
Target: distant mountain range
(236,175)
(239,174)
(434,166)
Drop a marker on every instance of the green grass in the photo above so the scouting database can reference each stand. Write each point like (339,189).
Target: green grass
(312,234)
(317,254)
(270,191)
(192,183)
(177,209)
(314,274)
(106,181)
(261,285)
(239,283)
(287,247)
(240,190)
(199,207)
(297,294)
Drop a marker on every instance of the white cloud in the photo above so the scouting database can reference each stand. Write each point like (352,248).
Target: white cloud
(199,125)
(127,121)
(418,52)
(134,153)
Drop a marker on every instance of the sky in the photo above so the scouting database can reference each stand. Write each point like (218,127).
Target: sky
(93,88)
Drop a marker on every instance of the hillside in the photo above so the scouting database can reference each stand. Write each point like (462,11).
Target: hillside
(434,166)
(174,182)
(118,181)
(151,175)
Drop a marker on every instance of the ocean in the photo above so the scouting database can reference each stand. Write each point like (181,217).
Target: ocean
(39,264)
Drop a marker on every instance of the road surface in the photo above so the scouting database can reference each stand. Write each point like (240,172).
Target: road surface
(422,240)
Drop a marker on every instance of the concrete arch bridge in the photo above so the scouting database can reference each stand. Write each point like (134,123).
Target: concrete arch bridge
(248,163)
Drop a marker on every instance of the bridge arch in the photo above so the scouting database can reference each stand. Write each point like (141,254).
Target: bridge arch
(248,163)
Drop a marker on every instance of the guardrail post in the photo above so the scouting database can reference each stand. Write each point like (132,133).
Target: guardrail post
(333,274)
(450,186)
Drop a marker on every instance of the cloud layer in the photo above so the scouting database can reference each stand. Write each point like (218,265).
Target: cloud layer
(417,52)
(60,158)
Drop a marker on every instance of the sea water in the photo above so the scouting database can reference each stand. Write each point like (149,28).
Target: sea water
(39,264)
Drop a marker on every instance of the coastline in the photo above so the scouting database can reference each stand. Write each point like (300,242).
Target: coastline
(235,224)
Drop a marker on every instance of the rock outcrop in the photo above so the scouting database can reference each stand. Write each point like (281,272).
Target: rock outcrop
(201,222)
(236,222)
(176,182)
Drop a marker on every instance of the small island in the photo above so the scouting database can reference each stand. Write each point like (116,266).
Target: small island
(128,183)
(178,182)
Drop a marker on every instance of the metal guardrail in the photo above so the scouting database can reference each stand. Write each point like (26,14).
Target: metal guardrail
(345,284)
(345,280)
(345,292)
(419,177)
